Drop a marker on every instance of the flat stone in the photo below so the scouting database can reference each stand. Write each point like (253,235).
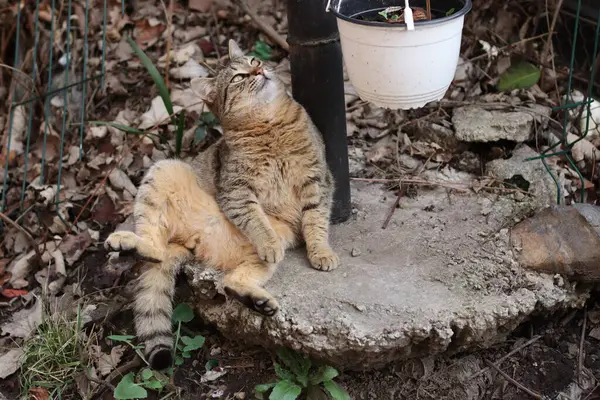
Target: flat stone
(541,185)
(476,124)
(440,278)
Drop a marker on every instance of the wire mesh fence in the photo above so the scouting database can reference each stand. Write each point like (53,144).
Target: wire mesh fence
(564,146)
(46,53)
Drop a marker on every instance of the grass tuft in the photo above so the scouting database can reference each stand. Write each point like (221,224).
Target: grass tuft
(55,354)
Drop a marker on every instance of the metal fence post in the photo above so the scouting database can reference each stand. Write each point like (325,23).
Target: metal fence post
(318,84)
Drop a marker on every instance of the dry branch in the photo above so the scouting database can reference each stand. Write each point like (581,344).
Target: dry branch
(266,28)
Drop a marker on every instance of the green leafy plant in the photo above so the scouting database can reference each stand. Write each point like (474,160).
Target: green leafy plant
(207,120)
(184,344)
(450,12)
(262,50)
(298,375)
(134,385)
(177,120)
(389,14)
(522,75)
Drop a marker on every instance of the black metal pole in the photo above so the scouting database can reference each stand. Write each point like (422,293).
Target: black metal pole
(318,84)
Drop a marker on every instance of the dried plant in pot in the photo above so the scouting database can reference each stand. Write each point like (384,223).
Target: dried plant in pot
(395,65)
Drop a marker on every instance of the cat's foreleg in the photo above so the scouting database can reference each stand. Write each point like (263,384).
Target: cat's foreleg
(240,204)
(316,204)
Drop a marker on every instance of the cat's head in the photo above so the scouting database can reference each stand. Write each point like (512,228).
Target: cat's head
(244,87)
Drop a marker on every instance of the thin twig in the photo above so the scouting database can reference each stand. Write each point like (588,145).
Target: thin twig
(169,17)
(592,391)
(530,392)
(99,381)
(356,106)
(506,47)
(266,28)
(394,206)
(120,371)
(459,186)
(548,43)
(124,369)
(507,356)
(428,6)
(581,355)
(29,238)
(548,47)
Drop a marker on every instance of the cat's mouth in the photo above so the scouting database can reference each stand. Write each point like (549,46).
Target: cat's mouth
(260,81)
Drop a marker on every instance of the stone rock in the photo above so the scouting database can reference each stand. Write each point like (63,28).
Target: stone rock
(561,240)
(541,185)
(440,278)
(476,124)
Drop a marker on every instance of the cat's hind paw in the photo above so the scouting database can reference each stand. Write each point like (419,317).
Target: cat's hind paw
(126,242)
(261,301)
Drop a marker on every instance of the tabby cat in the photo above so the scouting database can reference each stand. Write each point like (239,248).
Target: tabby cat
(262,188)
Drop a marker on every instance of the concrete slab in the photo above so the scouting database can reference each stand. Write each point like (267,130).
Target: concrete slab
(440,278)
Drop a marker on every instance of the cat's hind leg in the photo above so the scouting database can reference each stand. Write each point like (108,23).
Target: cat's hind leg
(126,242)
(157,211)
(244,283)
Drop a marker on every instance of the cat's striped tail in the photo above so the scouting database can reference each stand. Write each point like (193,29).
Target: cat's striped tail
(153,306)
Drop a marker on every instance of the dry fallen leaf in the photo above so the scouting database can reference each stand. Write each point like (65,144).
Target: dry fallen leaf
(189,34)
(73,246)
(17,135)
(595,333)
(186,98)
(182,55)
(106,363)
(156,114)
(200,5)
(23,322)
(147,32)
(39,394)
(11,293)
(19,270)
(10,362)
(191,69)
(119,180)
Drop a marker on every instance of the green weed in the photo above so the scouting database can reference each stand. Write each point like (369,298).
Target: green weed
(299,375)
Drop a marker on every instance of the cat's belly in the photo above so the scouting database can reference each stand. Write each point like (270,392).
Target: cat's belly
(290,215)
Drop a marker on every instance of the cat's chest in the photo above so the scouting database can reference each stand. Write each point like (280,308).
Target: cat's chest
(279,180)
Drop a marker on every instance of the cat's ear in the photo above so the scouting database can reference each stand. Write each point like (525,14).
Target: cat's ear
(234,50)
(204,88)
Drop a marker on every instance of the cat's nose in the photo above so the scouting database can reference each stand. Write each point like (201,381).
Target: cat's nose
(259,71)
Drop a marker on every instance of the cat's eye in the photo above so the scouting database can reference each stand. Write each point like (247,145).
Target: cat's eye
(238,78)
(254,62)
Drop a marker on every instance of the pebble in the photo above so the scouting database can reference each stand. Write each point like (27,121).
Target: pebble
(355,252)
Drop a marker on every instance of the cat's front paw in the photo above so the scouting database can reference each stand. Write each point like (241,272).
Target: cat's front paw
(129,243)
(323,259)
(270,251)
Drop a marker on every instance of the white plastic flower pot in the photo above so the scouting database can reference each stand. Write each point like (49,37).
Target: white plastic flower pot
(393,67)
